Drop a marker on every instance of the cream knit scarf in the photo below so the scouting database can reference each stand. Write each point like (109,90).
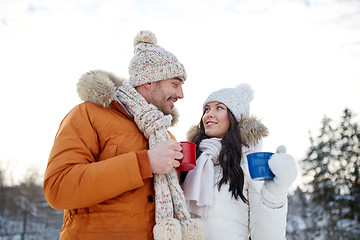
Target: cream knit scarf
(173,220)
(199,182)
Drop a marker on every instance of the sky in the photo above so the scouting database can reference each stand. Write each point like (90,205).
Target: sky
(301,57)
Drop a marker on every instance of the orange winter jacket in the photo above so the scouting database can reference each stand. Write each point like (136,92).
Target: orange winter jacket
(99,173)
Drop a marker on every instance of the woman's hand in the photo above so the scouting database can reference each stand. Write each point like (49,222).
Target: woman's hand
(285,170)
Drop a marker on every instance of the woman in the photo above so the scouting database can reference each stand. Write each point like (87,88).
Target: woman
(220,190)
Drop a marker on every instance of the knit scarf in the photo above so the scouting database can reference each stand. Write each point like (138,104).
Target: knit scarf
(173,220)
(199,182)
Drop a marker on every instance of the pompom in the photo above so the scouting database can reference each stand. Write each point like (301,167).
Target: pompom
(281,149)
(192,229)
(247,88)
(145,37)
(169,228)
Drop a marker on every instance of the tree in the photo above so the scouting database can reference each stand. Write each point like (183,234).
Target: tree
(348,175)
(317,164)
(25,214)
(332,171)
(2,191)
(1,178)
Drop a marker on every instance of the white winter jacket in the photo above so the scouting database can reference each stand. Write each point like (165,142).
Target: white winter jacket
(232,219)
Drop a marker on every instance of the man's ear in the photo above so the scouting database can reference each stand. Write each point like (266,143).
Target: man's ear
(145,89)
(148,85)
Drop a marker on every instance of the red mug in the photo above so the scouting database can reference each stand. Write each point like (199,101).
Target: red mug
(188,161)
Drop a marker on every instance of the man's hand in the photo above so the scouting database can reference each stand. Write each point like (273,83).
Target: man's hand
(163,156)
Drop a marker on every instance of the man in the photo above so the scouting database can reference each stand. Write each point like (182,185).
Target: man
(100,169)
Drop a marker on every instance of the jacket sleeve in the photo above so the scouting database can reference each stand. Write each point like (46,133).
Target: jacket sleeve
(73,179)
(265,222)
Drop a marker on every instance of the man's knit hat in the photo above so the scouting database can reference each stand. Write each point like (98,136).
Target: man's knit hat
(152,63)
(236,99)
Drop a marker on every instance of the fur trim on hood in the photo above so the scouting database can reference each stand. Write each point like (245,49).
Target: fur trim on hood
(99,87)
(251,131)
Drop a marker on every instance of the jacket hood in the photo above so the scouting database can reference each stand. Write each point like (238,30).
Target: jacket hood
(251,131)
(99,87)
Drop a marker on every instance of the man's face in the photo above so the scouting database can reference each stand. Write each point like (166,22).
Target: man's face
(165,93)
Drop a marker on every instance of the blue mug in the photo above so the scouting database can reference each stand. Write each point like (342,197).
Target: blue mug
(259,167)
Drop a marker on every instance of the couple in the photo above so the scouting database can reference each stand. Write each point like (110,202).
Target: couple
(112,166)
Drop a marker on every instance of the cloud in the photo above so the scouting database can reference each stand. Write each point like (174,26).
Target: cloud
(3,21)
(33,9)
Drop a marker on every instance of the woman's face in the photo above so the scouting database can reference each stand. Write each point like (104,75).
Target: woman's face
(216,119)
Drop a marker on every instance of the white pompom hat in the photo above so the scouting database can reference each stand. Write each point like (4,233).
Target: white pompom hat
(236,99)
(152,63)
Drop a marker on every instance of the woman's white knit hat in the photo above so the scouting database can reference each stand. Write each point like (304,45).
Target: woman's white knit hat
(152,63)
(236,99)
